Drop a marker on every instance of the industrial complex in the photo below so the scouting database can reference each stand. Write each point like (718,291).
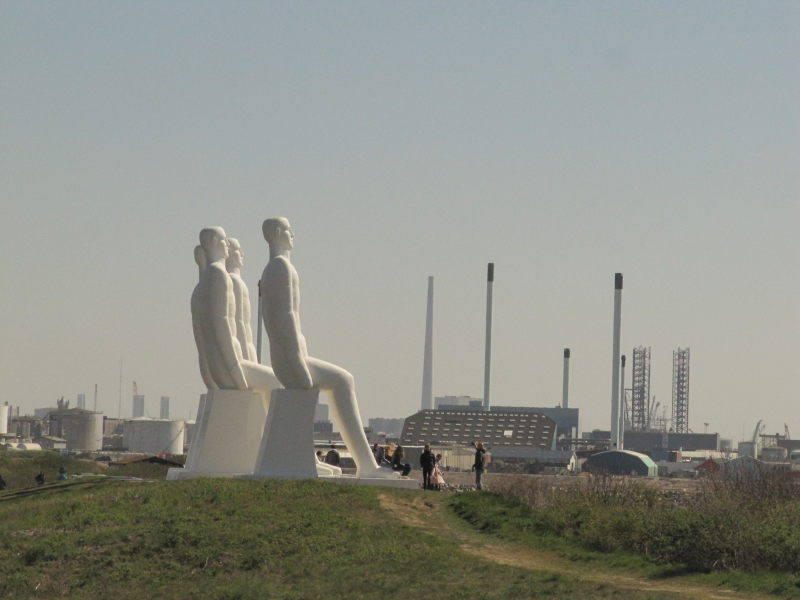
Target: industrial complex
(643,438)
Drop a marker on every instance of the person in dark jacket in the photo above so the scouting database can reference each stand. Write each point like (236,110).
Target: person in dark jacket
(332,457)
(397,461)
(379,453)
(480,463)
(426,462)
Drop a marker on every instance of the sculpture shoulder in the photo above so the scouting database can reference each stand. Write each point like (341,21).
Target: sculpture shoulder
(278,269)
(216,274)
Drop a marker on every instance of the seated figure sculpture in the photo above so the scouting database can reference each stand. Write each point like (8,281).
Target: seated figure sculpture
(224,364)
(294,368)
(244,334)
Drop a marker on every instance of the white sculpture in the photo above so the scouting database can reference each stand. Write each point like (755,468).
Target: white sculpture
(214,314)
(205,373)
(214,318)
(280,289)
(244,334)
(232,416)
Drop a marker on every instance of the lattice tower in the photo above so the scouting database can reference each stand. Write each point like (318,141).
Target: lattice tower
(640,389)
(680,390)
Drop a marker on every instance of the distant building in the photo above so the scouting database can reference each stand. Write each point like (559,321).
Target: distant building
(138,406)
(648,441)
(457,402)
(621,462)
(321,413)
(494,428)
(566,419)
(389,427)
(51,442)
(83,429)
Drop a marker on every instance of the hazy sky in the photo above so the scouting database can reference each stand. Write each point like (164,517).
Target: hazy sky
(563,141)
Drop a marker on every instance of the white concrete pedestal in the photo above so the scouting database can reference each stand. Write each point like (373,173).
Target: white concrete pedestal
(287,446)
(228,436)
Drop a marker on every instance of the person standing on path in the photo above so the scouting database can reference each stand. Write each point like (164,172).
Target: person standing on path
(426,462)
(480,463)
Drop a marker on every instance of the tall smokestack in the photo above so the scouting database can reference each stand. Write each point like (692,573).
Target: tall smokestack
(427,361)
(565,393)
(488,354)
(615,362)
(621,444)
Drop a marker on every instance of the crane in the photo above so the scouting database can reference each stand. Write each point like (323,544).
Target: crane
(135,389)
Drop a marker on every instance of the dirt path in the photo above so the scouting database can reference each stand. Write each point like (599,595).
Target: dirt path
(430,513)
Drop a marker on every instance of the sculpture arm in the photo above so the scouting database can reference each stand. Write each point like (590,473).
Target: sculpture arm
(224,328)
(283,321)
(249,350)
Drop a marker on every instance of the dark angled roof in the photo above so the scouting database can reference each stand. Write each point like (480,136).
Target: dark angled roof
(494,428)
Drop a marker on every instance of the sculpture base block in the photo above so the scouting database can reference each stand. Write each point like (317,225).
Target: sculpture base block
(287,446)
(228,436)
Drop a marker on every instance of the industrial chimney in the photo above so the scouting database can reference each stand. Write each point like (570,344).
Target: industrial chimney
(565,394)
(427,361)
(488,353)
(621,430)
(615,362)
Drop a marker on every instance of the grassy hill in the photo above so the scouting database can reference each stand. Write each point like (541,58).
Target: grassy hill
(98,537)
(101,538)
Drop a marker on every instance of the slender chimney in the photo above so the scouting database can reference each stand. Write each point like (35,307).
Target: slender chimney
(615,362)
(621,443)
(427,361)
(488,354)
(565,393)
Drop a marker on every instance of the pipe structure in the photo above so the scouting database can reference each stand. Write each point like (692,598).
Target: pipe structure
(258,326)
(621,430)
(565,391)
(427,361)
(488,353)
(615,362)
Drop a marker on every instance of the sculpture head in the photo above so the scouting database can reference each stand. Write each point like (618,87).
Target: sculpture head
(235,258)
(278,233)
(212,239)
(200,257)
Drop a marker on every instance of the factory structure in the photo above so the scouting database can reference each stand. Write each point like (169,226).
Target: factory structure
(643,437)
(78,430)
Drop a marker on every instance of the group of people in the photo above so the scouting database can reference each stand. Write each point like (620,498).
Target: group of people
(430,463)
(432,478)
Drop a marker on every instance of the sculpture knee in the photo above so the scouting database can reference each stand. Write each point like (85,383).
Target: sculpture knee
(345,382)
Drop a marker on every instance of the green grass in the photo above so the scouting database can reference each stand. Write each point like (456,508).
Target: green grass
(511,520)
(19,468)
(101,538)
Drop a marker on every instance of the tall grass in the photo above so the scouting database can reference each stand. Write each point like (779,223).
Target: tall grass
(742,520)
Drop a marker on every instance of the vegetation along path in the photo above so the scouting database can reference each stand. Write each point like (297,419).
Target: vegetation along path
(430,513)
